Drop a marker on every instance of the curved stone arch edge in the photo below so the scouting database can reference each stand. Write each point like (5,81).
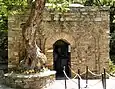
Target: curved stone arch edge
(50,41)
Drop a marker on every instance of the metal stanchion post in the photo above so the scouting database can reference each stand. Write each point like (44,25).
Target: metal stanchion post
(78,79)
(104,79)
(86,76)
(65,80)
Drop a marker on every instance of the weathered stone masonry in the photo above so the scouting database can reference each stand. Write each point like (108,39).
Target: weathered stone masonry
(85,28)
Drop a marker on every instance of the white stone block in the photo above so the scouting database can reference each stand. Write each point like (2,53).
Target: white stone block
(98,19)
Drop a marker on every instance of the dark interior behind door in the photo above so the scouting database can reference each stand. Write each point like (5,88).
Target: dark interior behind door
(61,59)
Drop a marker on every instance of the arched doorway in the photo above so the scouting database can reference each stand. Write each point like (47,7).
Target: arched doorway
(61,54)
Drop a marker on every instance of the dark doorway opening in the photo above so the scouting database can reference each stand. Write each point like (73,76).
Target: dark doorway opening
(61,54)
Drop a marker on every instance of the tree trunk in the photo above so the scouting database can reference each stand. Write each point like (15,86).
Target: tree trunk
(33,56)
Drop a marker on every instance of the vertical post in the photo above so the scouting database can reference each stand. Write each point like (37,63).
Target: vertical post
(78,79)
(104,79)
(86,76)
(65,80)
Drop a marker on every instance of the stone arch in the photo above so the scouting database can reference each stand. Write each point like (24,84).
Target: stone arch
(59,36)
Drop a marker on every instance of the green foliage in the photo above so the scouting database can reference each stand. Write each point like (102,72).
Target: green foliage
(113,39)
(111,67)
(16,6)
(3,31)
(3,8)
(78,1)
(8,7)
(59,5)
(107,2)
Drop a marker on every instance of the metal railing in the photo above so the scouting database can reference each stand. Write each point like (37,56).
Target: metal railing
(78,76)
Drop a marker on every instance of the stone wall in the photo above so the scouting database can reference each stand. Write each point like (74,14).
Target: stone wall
(86,29)
(30,81)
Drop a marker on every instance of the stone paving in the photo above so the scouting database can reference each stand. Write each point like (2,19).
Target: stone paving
(72,84)
(92,84)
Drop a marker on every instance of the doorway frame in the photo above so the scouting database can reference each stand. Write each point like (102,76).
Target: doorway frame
(69,57)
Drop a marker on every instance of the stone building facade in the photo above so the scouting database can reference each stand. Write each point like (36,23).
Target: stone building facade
(85,30)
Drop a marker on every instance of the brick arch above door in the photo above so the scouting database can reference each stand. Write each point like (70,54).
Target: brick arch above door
(59,36)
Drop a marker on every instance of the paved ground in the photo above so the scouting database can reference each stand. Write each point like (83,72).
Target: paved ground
(72,84)
(92,84)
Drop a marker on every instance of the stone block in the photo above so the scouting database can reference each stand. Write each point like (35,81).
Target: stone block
(30,81)
(98,19)
(10,39)
(82,9)
(84,13)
